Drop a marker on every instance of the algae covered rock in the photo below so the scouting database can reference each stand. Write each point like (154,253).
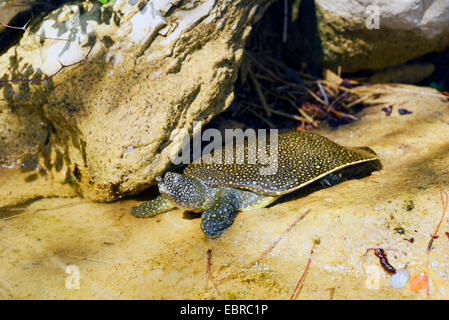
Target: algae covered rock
(116,87)
(372,34)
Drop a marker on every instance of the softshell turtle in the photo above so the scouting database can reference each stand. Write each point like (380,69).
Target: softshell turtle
(221,190)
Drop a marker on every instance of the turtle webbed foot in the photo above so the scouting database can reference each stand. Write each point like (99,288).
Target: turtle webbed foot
(213,226)
(153,207)
(332,179)
(221,214)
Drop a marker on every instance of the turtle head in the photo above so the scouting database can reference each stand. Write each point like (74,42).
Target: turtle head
(186,192)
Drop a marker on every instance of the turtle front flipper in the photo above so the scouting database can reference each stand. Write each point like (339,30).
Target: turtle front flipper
(222,212)
(153,207)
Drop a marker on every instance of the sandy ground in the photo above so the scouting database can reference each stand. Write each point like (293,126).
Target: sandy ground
(46,243)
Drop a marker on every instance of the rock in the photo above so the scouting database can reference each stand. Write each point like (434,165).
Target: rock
(408,73)
(131,77)
(121,257)
(337,32)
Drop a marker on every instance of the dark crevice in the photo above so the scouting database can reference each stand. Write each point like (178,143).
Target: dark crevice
(10,37)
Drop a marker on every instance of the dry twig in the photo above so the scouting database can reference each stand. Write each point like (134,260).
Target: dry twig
(264,254)
(303,275)
(209,271)
(31,32)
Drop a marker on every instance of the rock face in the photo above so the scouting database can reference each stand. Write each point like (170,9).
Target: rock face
(344,32)
(108,126)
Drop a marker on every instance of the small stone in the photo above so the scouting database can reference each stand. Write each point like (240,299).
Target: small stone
(400,278)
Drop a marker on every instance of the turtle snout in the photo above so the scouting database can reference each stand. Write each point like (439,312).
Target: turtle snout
(162,188)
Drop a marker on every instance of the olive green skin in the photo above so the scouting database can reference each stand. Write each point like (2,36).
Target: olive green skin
(221,190)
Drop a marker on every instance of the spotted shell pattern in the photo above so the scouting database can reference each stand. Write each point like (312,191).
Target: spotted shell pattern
(303,157)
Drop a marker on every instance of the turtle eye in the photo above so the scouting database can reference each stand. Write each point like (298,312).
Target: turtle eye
(173,179)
